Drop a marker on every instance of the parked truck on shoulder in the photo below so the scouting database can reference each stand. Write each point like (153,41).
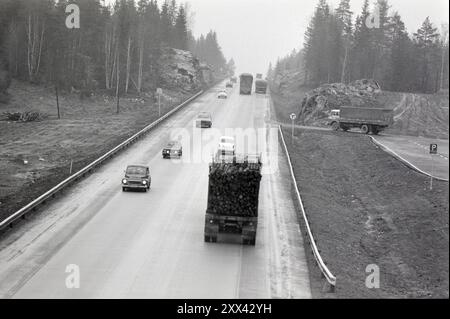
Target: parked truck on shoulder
(233,192)
(369,120)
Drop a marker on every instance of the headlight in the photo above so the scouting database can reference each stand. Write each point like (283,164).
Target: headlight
(124,181)
(211,221)
(144,182)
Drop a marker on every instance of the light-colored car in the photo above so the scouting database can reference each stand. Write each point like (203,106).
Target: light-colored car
(226,146)
(172,149)
(222,95)
(203,119)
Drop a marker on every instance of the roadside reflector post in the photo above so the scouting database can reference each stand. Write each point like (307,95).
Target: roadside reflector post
(71,165)
(293,117)
(433,151)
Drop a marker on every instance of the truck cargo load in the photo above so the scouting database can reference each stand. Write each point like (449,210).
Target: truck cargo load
(233,192)
(245,83)
(369,120)
(261,86)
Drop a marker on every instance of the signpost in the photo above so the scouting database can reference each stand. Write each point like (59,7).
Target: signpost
(159,93)
(433,151)
(293,117)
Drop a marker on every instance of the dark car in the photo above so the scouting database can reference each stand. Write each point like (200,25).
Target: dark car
(229,85)
(172,149)
(136,177)
(233,79)
(203,120)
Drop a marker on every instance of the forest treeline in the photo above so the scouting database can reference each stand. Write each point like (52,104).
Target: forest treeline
(117,47)
(376,44)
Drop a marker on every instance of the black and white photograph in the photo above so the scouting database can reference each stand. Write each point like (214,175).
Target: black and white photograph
(224,155)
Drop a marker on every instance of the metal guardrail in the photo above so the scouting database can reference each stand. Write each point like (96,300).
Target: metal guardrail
(324,269)
(81,173)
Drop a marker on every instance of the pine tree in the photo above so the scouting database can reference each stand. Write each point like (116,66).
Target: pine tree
(426,43)
(399,74)
(180,31)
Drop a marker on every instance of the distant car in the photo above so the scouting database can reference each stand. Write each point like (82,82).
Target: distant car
(233,79)
(204,119)
(226,146)
(229,85)
(172,149)
(136,177)
(222,95)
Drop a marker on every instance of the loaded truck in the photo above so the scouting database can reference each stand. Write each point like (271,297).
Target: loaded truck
(245,83)
(261,86)
(233,192)
(369,120)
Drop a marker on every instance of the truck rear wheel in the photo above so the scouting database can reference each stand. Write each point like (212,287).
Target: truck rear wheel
(365,129)
(207,239)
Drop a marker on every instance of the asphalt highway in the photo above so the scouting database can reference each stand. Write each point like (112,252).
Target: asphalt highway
(95,241)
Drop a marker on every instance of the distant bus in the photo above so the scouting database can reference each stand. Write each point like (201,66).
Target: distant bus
(260,86)
(245,83)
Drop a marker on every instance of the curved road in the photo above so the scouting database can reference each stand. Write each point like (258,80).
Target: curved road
(150,245)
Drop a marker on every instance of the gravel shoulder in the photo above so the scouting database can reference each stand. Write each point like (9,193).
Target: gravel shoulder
(365,208)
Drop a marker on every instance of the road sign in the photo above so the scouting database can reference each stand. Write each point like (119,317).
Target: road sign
(433,148)
(433,151)
(293,117)
(159,91)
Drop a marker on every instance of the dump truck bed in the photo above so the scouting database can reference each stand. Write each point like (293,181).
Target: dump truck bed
(366,115)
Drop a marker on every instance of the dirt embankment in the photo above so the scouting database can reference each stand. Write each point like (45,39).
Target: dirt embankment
(34,156)
(366,208)
(420,114)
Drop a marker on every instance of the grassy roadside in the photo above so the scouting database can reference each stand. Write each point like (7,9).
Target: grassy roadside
(287,103)
(35,156)
(367,208)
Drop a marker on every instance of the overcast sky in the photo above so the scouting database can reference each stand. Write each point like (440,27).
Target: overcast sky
(256,32)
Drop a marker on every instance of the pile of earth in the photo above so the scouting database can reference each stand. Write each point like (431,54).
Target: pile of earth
(317,103)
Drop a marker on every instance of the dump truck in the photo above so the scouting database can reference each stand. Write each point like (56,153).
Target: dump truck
(261,86)
(369,120)
(233,192)
(245,83)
